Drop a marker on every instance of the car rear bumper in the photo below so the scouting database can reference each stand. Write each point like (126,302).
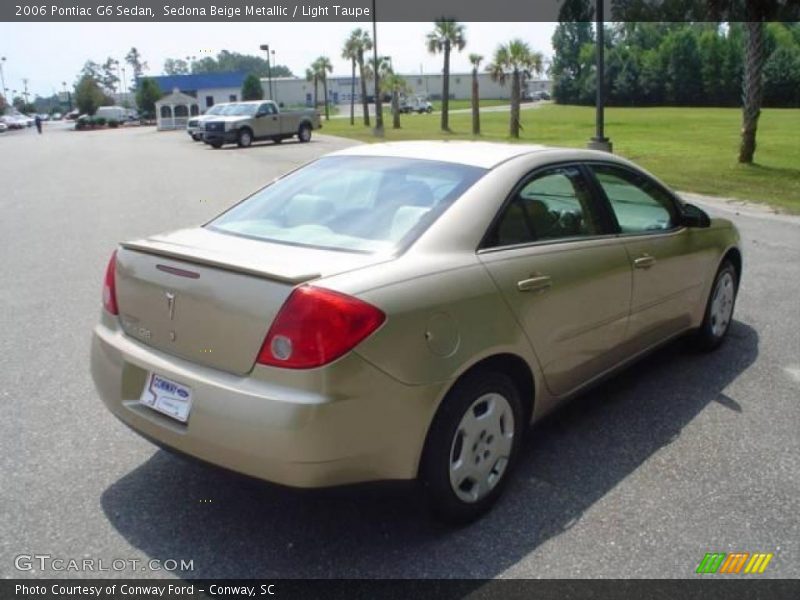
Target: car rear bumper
(346,423)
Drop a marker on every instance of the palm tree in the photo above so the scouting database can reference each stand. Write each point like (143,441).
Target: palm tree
(446,35)
(350,52)
(311,75)
(393,84)
(361,43)
(475,60)
(322,66)
(752,84)
(517,60)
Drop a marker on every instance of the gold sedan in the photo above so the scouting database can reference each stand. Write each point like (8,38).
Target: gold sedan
(404,311)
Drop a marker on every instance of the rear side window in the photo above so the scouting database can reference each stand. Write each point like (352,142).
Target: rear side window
(639,205)
(554,204)
(358,203)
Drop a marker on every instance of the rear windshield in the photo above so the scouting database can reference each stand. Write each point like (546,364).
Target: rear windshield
(357,203)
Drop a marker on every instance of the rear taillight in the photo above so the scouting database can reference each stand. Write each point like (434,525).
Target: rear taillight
(316,326)
(110,286)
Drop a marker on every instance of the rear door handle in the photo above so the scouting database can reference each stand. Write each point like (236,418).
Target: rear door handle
(644,262)
(535,284)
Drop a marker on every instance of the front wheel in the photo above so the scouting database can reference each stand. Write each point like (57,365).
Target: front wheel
(245,138)
(304,133)
(472,446)
(719,309)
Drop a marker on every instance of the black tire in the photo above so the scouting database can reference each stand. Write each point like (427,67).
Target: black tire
(245,138)
(445,438)
(216,145)
(304,133)
(197,137)
(711,333)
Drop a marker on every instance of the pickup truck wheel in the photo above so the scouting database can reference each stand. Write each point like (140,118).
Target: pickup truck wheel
(245,138)
(304,133)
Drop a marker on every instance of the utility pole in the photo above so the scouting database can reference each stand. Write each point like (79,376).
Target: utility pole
(378,108)
(600,141)
(25,93)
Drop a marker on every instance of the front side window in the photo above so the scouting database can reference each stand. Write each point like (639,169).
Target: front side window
(357,203)
(554,204)
(639,205)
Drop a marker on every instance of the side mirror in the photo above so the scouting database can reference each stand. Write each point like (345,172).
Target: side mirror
(693,216)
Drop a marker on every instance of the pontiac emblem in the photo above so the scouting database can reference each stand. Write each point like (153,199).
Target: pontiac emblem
(170,304)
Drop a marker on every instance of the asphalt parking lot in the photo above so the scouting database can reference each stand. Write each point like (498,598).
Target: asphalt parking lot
(681,455)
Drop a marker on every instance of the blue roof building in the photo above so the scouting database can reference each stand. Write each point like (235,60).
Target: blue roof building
(208,88)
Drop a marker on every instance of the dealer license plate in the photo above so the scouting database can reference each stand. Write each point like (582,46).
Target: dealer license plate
(168,397)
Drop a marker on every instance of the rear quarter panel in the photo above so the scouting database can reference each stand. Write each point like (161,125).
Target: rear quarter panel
(444,315)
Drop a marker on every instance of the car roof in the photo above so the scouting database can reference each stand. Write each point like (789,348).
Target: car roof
(486,155)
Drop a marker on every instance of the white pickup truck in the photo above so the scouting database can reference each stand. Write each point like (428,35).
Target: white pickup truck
(246,122)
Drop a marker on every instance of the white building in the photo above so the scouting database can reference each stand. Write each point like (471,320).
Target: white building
(293,91)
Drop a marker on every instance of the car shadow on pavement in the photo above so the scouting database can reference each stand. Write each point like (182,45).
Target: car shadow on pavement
(235,527)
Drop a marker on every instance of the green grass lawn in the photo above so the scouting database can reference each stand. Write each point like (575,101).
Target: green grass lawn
(460,104)
(691,149)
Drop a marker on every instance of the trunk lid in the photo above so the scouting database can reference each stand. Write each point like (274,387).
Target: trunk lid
(211,297)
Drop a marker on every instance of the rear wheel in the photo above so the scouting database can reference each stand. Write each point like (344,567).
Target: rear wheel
(719,308)
(245,138)
(304,133)
(472,446)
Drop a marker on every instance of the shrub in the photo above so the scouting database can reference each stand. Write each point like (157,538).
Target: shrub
(113,123)
(99,121)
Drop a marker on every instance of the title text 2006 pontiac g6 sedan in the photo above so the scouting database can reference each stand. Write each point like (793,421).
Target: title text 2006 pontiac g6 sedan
(404,311)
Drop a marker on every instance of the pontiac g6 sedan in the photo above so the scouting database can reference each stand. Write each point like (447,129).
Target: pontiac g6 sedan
(404,311)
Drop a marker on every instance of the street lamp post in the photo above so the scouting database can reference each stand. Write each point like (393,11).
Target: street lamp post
(378,108)
(275,98)
(2,76)
(265,48)
(600,141)
(67,95)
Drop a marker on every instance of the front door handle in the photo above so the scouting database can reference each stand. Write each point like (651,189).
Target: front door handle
(535,284)
(644,262)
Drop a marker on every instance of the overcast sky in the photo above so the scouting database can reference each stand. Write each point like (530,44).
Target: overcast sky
(49,53)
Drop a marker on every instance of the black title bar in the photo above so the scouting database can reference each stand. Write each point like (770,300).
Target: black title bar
(396,10)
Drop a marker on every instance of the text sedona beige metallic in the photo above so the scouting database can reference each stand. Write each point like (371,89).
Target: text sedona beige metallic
(403,311)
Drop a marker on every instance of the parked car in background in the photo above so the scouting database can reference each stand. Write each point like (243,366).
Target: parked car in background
(16,121)
(246,122)
(119,114)
(405,311)
(194,126)
(3,127)
(417,104)
(56,116)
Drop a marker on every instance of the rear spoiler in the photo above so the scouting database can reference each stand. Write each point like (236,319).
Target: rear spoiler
(217,261)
